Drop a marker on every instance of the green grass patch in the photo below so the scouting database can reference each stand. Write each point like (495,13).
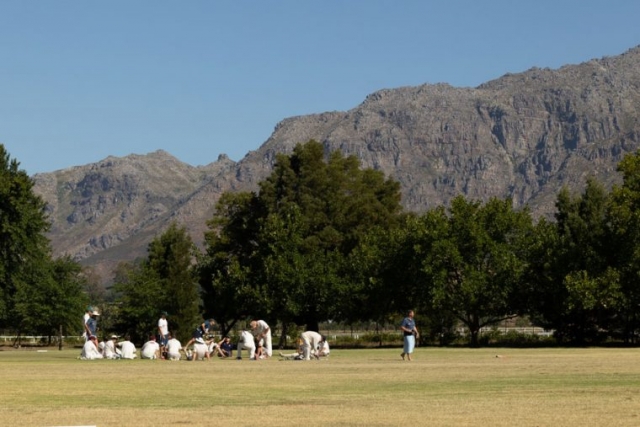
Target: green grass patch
(372,387)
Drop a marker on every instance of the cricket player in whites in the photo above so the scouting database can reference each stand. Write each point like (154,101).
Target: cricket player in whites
(310,343)
(261,331)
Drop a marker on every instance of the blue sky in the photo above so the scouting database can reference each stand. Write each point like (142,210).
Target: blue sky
(82,80)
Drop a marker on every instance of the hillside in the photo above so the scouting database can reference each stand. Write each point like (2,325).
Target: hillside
(522,136)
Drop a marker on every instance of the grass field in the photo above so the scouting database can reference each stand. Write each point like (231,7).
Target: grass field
(373,387)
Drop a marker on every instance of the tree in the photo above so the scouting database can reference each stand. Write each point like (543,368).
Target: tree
(163,281)
(574,289)
(24,249)
(227,270)
(281,253)
(331,204)
(475,265)
(54,300)
(623,219)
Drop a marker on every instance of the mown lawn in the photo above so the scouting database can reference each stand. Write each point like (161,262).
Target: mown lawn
(372,387)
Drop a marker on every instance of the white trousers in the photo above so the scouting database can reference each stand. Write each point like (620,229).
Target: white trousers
(250,349)
(310,342)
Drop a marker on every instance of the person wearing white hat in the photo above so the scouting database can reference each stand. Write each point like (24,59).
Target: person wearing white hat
(163,332)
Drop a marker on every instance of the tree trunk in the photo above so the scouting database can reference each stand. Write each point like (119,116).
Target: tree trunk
(313,325)
(474,331)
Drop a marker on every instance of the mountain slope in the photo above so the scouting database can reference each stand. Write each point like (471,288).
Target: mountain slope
(521,136)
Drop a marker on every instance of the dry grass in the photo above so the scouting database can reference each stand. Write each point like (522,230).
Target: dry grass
(441,387)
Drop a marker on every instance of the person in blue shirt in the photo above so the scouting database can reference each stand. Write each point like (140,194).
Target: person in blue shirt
(92,323)
(200,331)
(410,333)
(225,347)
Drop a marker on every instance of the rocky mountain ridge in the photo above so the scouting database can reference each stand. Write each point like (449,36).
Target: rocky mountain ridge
(521,136)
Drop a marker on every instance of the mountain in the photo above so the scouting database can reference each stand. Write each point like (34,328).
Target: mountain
(521,136)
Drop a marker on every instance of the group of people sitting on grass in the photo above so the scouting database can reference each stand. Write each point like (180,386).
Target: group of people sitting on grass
(172,349)
(256,341)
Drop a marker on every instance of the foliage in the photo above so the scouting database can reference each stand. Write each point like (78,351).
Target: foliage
(24,250)
(282,254)
(162,282)
(38,294)
(574,287)
(476,266)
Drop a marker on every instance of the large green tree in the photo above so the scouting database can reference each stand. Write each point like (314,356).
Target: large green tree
(574,288)
(228,268)
(283,250)
(38,294)
(54,299)
(476,264)
(164,281)
(623,218)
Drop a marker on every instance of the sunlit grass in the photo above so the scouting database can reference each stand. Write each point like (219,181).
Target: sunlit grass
(456,387)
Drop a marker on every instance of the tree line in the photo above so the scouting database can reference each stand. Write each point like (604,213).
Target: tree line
(323,239)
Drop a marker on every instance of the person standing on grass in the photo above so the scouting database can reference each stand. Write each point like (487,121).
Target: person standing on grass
(92,323)
(410,333)
(261,331)
(86,333)
(163,332)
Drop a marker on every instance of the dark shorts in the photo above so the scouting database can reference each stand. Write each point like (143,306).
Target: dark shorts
(163,339)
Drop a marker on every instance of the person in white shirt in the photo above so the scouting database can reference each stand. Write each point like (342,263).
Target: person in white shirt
(86,333)
(261,331)
(247,342)
(173,348)
(150,349)
(90,349)
(200,350)
(109,351)
(323,348)
(127,349)
(163,332)
(310,342)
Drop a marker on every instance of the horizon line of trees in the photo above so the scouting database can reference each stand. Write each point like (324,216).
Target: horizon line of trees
(323,239)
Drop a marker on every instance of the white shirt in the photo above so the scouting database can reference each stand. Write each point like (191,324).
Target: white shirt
(247,339)
(149,350)
(109,350)
(127,350)
(199,351)
(163,326)
(323,349)
(261,328)
(84,325)
(174,347)
(90,351)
